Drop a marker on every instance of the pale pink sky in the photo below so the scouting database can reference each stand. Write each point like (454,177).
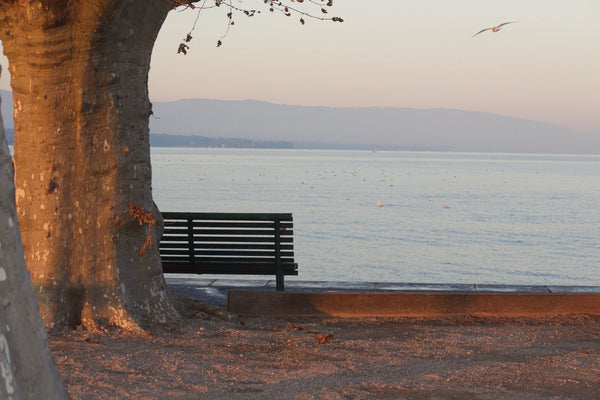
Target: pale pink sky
(395,53)
(399,53)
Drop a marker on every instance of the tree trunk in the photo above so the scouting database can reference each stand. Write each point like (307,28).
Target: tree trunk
(90,229)
(26,364)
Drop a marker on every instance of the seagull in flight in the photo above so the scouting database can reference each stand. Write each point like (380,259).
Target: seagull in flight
(494,28)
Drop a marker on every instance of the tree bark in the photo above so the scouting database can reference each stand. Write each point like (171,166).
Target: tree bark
(79,75)
(27,369)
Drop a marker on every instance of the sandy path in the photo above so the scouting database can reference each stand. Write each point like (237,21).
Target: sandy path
(458,358)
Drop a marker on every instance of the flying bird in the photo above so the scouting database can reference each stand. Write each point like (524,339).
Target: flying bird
(494,28)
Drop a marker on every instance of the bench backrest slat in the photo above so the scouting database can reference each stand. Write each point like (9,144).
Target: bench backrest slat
(257,246)
(227,216)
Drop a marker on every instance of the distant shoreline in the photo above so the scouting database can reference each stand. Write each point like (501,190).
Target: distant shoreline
(196,141)
(165,140)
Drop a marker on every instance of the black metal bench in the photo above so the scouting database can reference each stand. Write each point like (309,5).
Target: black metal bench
(228,243)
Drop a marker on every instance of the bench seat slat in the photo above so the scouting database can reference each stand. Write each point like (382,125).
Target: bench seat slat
(226,264)
(234,259)
(247,262)
(178,224)
(233,268)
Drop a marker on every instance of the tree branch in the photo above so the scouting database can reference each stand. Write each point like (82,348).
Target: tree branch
(282,6)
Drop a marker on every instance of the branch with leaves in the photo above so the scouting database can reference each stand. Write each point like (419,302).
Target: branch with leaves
(314,9)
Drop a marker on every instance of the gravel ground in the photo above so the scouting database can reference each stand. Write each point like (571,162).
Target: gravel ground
(215,355)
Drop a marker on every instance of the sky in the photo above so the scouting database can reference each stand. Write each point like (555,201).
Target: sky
(394,53)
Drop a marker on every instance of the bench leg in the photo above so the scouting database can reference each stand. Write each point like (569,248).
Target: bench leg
(279,282)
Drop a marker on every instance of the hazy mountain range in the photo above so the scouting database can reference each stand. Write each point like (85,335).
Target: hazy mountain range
(435,129)
(369,128)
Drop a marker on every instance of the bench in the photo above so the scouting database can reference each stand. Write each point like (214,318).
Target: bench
(228,243)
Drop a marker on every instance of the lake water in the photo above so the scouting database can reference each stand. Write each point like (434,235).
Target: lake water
(445,217)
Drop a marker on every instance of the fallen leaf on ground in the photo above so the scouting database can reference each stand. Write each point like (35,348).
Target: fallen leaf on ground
(323,339)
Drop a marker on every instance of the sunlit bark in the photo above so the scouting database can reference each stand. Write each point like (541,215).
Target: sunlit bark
(79,72)
(27,369)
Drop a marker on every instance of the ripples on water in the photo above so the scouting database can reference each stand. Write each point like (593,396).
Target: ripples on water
(446,217)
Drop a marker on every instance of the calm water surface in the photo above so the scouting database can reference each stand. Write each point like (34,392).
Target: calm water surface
(446,217)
